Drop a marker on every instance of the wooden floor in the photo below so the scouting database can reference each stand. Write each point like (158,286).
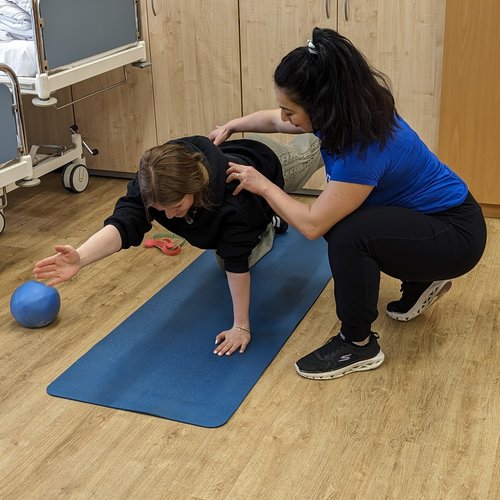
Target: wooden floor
(425,425)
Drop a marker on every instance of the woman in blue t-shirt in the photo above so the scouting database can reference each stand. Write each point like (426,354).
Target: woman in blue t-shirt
(390,204)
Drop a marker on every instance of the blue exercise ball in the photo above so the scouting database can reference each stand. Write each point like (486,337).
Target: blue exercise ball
(34,304)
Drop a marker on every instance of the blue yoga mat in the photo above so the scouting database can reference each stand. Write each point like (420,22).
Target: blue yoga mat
(160,360)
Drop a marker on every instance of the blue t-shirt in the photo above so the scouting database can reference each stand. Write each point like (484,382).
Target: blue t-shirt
(404,173)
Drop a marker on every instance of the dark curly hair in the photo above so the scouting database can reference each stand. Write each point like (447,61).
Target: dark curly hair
(349,103)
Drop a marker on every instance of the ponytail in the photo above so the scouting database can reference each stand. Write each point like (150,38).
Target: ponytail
(349,103)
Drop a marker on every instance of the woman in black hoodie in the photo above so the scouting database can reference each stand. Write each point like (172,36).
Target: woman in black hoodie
(182,185)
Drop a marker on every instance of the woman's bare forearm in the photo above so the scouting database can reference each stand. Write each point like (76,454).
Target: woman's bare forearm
(264,121)
(105,242)
(239,286)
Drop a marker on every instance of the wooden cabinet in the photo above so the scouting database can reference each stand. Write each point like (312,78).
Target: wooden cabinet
(213,60)
(119,122)
(269,29)
(469,138)
(49,125)
(404,40)
(196,70)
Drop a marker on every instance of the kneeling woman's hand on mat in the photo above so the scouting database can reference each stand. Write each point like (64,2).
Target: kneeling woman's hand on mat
(59,267)
(230,341)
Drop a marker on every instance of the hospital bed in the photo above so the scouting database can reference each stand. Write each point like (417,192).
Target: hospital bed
(22,168)
(51,44)
(46,45)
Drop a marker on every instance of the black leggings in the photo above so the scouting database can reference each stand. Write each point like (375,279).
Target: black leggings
(401,243)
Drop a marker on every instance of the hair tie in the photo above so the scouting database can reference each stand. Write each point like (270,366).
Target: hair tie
(311,47)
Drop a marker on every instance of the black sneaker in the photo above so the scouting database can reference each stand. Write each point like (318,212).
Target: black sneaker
(339,357)
(416,298)
(280,225)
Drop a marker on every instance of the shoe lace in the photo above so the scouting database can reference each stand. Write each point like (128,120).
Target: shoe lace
(331,347)
(410,292)
(405,287)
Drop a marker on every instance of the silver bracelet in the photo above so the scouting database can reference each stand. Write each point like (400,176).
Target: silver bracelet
(242,328)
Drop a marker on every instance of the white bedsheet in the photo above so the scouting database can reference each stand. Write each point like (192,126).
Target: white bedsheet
(20,55)
(24,4)
(15,20)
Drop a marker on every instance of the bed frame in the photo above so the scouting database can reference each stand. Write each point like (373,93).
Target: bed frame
(75,40)
(20,168)
(15,163)
(78,39)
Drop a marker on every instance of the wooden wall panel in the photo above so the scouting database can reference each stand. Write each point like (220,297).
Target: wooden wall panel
(469,133)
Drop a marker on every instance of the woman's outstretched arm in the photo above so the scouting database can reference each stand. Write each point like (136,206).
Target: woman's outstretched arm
(68,261)
(264,121)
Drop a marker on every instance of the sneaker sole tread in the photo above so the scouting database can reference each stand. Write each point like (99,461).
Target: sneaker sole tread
(426,300)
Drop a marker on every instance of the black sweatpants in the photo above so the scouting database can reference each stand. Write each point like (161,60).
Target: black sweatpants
(401,243)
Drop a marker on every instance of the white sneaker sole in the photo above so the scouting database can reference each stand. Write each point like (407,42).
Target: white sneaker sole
(435,290)
(360,366)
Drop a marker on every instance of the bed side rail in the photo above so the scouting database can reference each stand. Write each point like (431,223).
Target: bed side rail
(15,164)
(13,137)
(68,31)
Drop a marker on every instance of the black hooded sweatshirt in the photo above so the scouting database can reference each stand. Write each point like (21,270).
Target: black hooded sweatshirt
(232,225)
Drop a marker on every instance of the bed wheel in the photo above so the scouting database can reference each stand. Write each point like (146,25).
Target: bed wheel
(75,177)
(2,222)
